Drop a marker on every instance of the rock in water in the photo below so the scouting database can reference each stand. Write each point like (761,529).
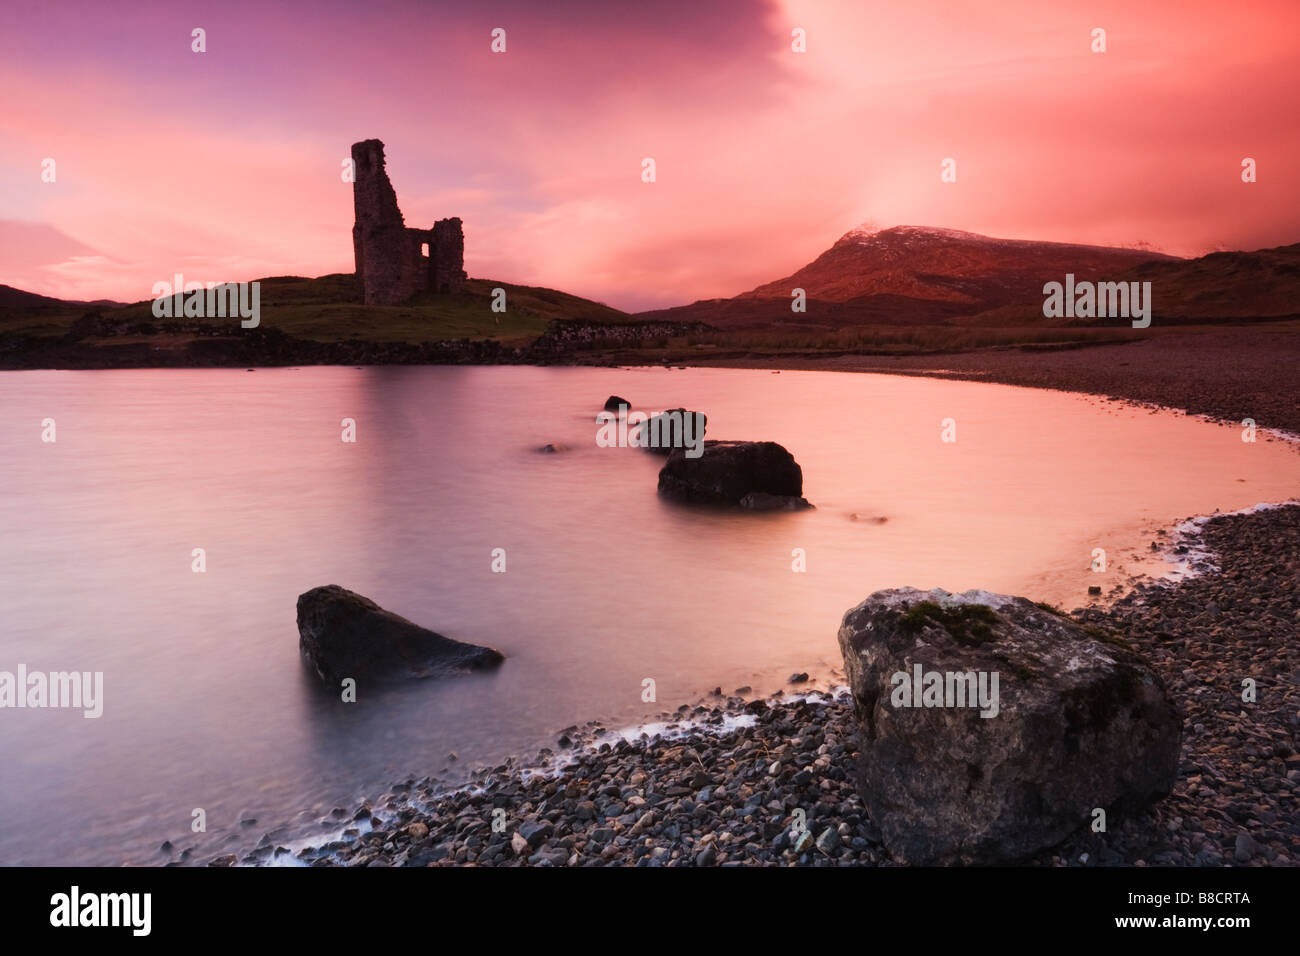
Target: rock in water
(662,433)
(614,403)
(762,501)
(342,634)
(1077,720)
(729,472)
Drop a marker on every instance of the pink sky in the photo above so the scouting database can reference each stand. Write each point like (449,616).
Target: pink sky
(225,165)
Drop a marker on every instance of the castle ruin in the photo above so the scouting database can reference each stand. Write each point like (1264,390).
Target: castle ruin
(395,263)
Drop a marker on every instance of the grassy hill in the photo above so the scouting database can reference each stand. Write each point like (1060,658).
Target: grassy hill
(326,309)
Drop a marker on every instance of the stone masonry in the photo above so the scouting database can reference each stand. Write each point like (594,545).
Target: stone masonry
(395,263)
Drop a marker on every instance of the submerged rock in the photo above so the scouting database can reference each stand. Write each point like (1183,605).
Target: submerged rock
(343,634)
(992,727)
(745,473)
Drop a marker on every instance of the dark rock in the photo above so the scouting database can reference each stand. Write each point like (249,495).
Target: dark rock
(672,429)
(536,833)
(799,678)
(1094,589)
(1245,848)
(423,856)
(342,634)
(829,841)
(1079,721)
(728,471)
(614,404)
(761,501)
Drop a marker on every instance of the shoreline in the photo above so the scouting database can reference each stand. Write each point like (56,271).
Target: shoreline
(1223,373)
(719,782)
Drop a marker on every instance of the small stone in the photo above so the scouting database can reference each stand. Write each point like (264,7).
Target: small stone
(829,841)
(417,831)
(518,844)
(536,833)
(1245,848)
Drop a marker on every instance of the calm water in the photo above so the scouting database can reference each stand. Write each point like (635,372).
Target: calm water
(206,703)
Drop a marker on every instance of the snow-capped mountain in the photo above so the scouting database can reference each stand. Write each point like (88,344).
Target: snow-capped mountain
(946,265)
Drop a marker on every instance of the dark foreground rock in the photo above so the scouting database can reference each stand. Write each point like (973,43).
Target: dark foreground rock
(342,634)
(614,404)
(728,472)
(674,428)
(993,728)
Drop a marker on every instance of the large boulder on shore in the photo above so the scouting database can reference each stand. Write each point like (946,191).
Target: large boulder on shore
(759,474)
(342,634)
(992,727)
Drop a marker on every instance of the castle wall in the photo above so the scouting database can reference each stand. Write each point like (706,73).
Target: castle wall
(390,263)
(447,256)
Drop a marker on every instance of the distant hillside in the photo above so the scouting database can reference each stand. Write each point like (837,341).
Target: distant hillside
(1221,286)
(11,298)
(916,275)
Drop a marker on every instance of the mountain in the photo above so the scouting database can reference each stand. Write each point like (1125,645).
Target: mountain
(917,274)
(11,298)
(945,265)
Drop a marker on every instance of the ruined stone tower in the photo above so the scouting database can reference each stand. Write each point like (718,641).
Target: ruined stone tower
(395,263)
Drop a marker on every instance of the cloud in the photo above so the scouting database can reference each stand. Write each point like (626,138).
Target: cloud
(765,156)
